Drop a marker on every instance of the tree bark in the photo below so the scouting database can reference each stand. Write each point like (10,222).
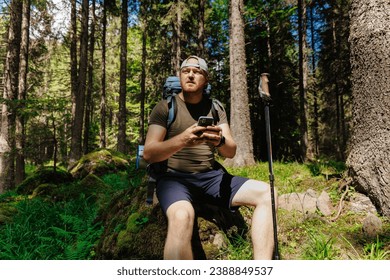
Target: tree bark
(88,100)
(8,112)
(103,113)
(201,36)
(176,45)
(369,155)
(20,119)
(122,86)
(239,120)
(144,28)
(79,106)
(315,125)
(305,154)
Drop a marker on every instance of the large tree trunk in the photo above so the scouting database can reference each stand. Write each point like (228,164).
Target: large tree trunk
(122,86)
(8,112)
(240,119)
(78,113)
(369,156)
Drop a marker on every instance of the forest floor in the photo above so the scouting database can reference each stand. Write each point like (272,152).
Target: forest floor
(46,227)
(312,235)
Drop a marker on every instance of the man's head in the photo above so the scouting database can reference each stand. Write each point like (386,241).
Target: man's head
(193,74)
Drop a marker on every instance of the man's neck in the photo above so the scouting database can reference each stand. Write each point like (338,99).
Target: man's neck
(191,97)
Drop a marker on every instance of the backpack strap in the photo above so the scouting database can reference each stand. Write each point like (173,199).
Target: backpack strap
(172,108)
(215,106)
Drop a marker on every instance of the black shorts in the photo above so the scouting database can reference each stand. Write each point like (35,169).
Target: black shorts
(216,187)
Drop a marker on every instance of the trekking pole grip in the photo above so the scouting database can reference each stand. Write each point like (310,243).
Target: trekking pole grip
(264,89)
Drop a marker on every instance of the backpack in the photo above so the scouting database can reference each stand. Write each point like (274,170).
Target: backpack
(171,88)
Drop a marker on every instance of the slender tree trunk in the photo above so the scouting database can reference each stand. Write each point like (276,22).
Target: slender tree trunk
(240,119)
(88,100)
(369,156)
(176,45)
(315,94)
(103,113)
(73,53)
(201,36)
(122,86)
(79,106)
(73,70)
(144,27)
(20,119)
(10,95)
(303,79)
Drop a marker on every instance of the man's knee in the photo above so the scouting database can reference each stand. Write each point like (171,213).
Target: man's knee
(181,214)
(264,195)
(256,193)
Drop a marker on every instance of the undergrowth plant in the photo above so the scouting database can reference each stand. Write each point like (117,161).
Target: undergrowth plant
(238,248)
(375,251)
(43,230)
(320,247)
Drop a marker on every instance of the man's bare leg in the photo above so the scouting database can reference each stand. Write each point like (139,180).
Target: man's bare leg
(181,217)
(257,194)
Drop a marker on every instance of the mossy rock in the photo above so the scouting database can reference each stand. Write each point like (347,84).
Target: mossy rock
(135,230)
(44,176)
(7,212)
(100,162)
(92,187)
(132,229)
(47,189)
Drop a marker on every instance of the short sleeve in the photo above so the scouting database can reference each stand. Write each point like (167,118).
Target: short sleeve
(159,114)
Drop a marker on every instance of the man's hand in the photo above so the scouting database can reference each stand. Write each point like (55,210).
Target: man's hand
(212,135)
(194,135)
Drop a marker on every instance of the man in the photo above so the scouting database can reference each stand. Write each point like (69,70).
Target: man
(186,151)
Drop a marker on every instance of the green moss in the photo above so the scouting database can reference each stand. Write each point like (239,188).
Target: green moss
(132,225)
(100,162)
(7,211)
(44,176)
(44,189)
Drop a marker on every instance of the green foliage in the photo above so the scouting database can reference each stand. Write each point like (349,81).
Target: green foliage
(289,176)
(376,251)
(47,230)
(320,247)
(238,248)
(44,175)
(327,168)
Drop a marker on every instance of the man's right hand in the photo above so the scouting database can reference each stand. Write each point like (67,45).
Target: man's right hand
(193,135)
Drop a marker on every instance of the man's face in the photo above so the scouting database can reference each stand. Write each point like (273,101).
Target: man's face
(192,79)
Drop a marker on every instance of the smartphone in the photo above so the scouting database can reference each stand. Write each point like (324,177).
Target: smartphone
(205,121)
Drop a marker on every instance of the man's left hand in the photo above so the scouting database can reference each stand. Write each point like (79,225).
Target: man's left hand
(212,135)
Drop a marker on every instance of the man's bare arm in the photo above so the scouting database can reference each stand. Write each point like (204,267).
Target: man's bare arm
(157,149)
(214,135)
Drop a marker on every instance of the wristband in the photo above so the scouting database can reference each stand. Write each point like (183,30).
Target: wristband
(221,142)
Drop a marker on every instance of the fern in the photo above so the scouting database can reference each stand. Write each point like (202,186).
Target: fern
(47,230)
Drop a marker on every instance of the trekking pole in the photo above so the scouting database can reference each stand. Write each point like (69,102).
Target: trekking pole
(266,97)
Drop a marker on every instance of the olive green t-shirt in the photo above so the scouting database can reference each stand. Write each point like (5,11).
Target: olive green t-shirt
(193,159)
